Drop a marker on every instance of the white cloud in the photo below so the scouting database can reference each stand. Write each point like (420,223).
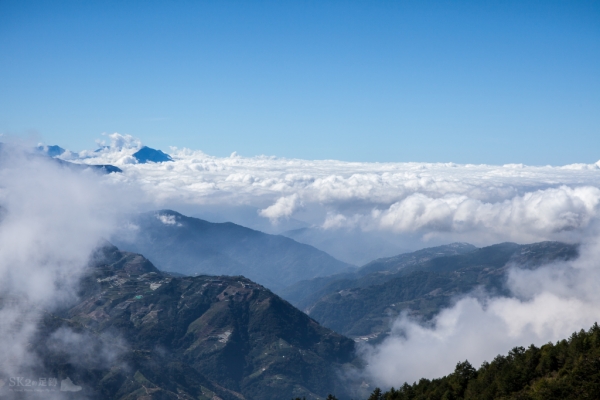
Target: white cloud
(478,203)
(52,219)
(283,207)
(527,217)
(475,331)
(118,152)
(167,219)
(340,221)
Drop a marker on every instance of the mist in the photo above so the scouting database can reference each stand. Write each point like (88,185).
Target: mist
(53,217)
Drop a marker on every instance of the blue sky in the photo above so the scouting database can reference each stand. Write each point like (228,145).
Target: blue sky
(467,82)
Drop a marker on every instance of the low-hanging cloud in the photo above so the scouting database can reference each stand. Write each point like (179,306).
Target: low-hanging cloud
(53,217)
(284,207)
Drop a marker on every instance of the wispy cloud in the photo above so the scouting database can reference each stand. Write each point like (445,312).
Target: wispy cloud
(52,219)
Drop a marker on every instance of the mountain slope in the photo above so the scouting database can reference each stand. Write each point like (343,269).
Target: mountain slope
(188,337)
(191,246)
(365,306)
(406,260)
(305,293)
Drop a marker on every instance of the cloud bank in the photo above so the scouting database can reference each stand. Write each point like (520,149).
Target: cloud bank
(444,201)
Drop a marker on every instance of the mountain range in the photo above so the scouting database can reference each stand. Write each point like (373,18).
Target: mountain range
(138,332)
(221,311)
(186,245)
(358,302)
(144,155)
(362,304)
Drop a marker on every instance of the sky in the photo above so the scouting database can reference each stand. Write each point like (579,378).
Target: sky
(464,82)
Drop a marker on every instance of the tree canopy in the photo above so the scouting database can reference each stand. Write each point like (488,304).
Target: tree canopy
(569,369)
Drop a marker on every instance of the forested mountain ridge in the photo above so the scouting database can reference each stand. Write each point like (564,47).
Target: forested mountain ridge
(364,306)
(141,332)
(305,293)
(569,369)
(397,263)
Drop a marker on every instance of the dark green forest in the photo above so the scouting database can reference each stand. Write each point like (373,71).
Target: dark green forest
(569,369)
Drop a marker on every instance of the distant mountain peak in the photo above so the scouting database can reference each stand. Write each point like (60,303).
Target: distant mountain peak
(51,151)
(147,154)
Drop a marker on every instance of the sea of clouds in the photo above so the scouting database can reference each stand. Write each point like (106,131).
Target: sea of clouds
(481,204)
(423,202)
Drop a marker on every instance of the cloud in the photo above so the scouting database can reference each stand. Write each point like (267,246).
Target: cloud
(52,219)
(119,151)
(479,203)
(85,350)
(167,219)
(283,207)
(556,211)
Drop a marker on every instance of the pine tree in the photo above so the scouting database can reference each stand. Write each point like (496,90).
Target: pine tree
(376,395)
